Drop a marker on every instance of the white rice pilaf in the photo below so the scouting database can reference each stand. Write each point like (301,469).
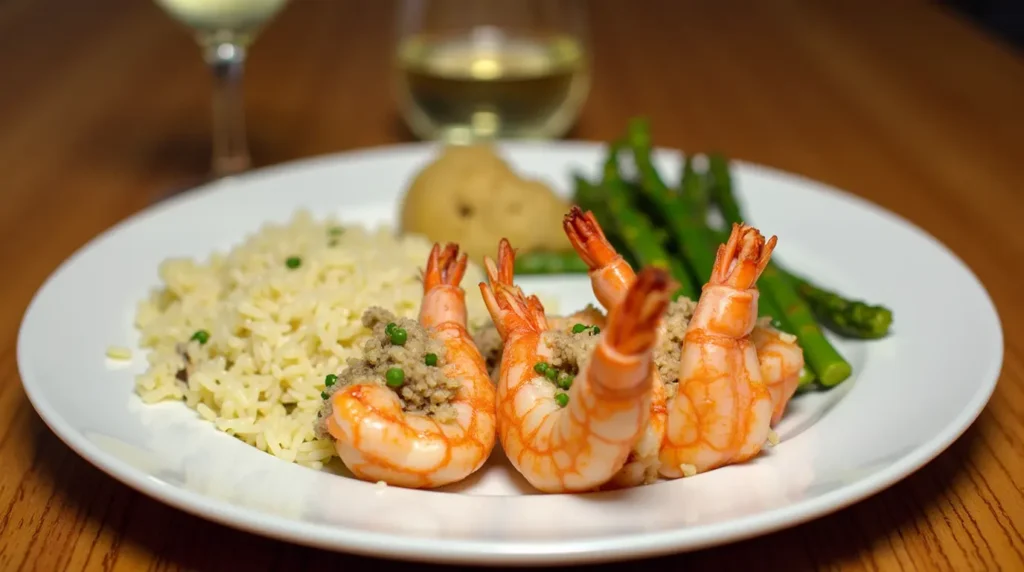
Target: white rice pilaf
(281,311)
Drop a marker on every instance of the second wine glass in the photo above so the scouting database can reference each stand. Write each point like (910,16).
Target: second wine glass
(471,70)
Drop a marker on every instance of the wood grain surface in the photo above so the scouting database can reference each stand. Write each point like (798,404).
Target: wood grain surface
(104,107)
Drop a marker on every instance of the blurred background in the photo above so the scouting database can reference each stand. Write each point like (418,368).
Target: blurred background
(1003,18)
(312,69)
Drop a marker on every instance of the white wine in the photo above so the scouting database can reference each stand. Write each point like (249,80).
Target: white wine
(234,21)
(485,86)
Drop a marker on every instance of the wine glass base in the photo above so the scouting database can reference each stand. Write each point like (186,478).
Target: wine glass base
(163,193)
(191,182)
(227,166)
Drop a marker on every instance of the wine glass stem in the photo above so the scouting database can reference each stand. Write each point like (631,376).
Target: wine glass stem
(230,149)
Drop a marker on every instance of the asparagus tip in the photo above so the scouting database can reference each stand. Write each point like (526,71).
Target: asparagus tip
(835,373)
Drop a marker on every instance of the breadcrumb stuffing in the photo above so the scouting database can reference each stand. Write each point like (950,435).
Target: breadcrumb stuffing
(668,353)
(425,388)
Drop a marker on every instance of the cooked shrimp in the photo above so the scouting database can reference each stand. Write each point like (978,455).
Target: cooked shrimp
(782,360)
(722,411)
(582,446)
(610,274)
(610,277)
(378,441)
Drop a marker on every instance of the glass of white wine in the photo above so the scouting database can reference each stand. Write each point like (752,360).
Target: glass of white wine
(225,29)
(472,70)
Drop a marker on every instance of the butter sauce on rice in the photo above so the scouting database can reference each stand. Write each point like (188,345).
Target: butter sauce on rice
(247,338)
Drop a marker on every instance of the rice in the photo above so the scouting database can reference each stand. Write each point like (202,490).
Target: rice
(246,338)
(119,353)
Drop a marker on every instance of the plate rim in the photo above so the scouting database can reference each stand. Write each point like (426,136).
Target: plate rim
(516,552)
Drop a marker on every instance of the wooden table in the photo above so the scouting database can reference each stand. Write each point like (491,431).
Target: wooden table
(104,107)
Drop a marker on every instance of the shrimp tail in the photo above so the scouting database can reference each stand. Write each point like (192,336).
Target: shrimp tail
(740,261)
(588,238)
(444,266)
(510,309)
(610,274)
(502,271)
(632,325)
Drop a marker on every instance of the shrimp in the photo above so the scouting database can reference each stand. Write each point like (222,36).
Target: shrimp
(583,446)
(378,441)
(722,411)
(782,360)
(611,275)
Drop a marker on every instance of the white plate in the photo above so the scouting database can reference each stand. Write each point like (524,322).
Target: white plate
(912,394)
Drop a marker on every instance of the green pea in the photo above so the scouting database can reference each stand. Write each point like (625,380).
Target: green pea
(540,367)
(330,380)
(596,330)
(398,336)
(201,336)
(293,262)
(564,380)
(323,395)
(562,399)
(394,377)
(390,328)
(578,328)
(431,360)
(551,373)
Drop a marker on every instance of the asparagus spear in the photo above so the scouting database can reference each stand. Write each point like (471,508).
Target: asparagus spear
(635,229)
(590,197)
(851,318)
(685,228)
(643,204)
(694,191)
(827,364)
(550,262)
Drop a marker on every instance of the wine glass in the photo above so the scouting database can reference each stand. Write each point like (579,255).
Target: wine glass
(471,70)
(225,29)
